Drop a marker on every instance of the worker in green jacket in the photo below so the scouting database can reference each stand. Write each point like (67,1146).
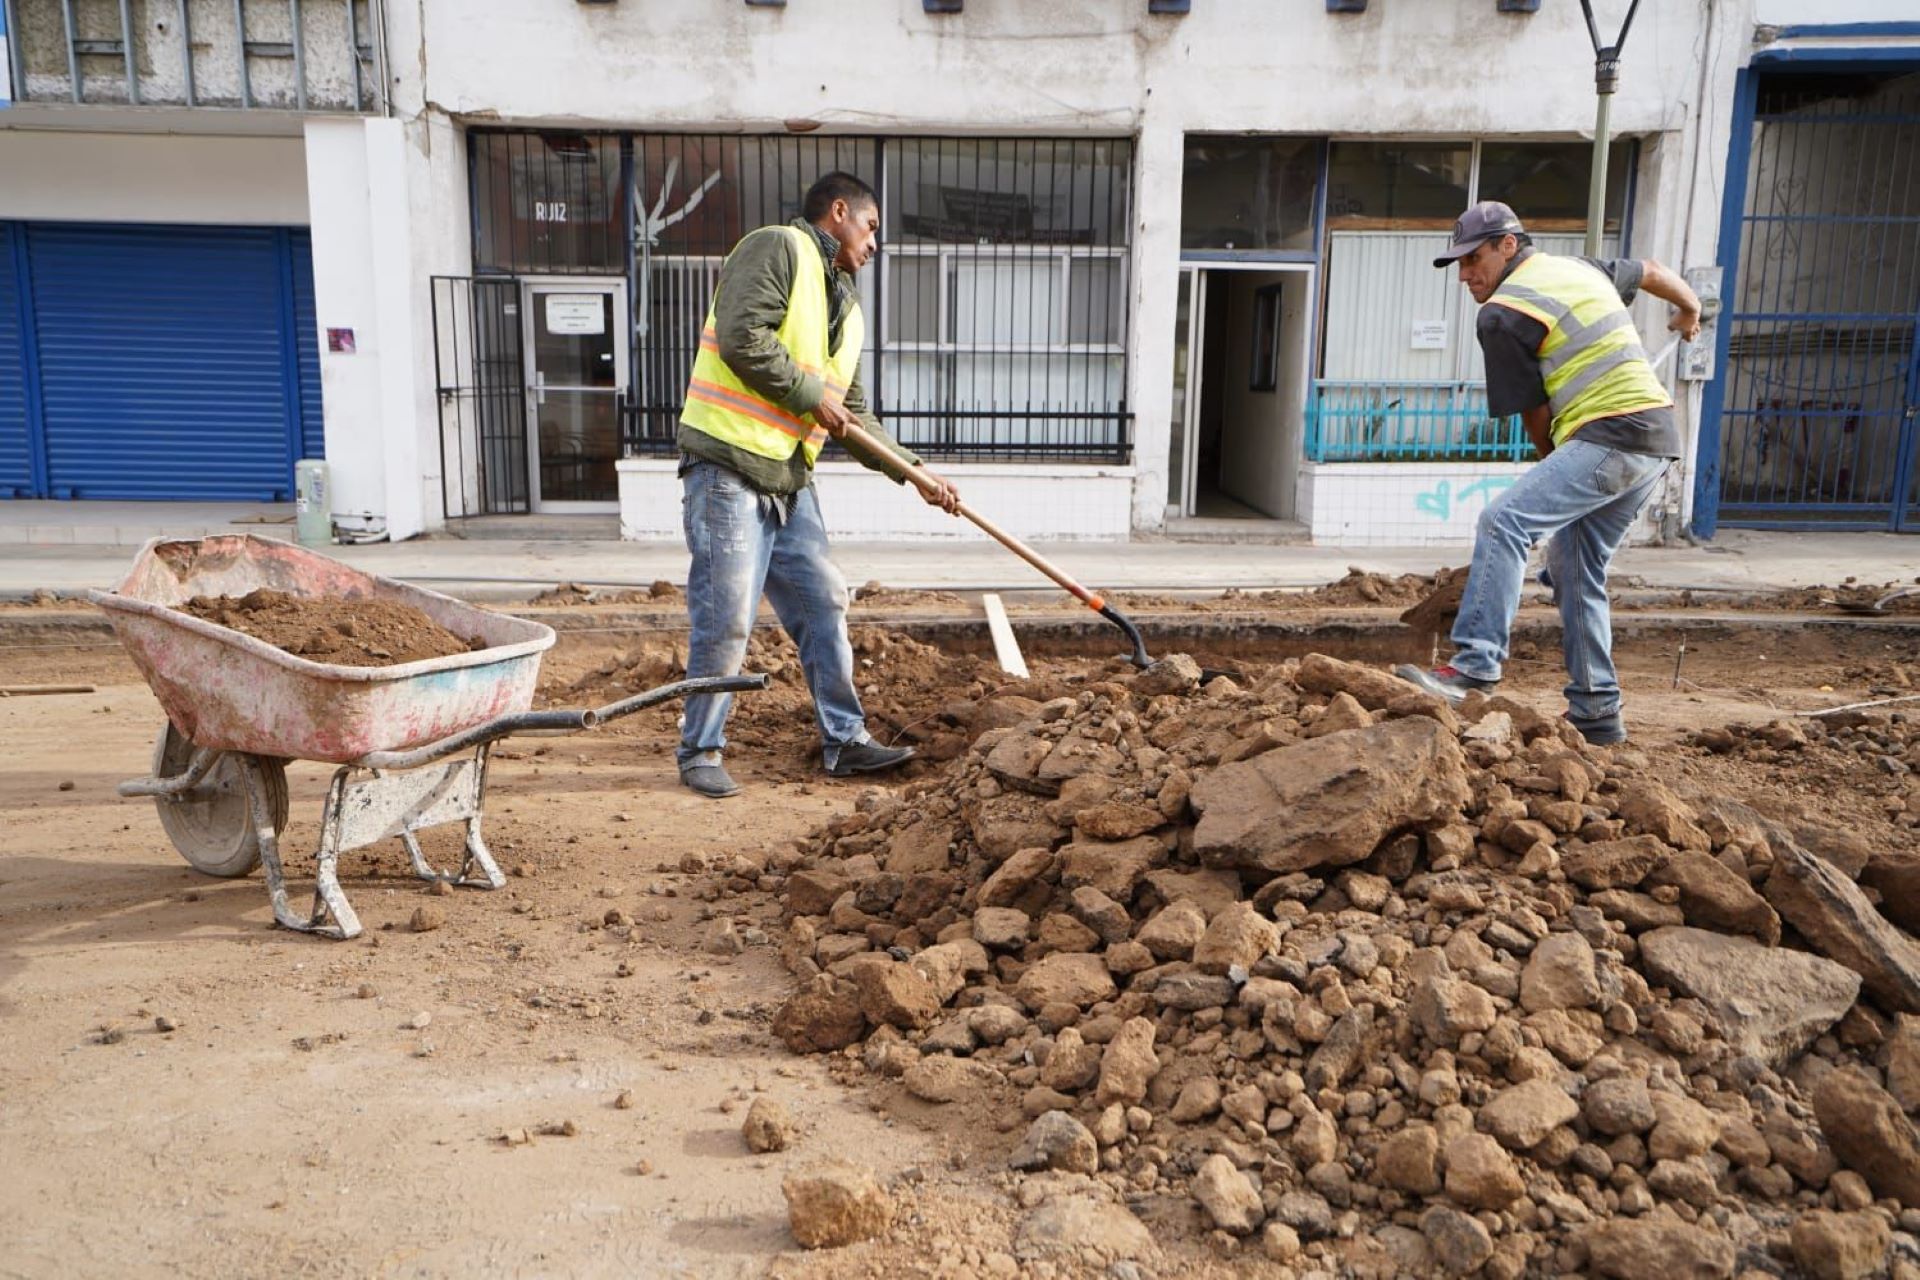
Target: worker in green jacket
(777,375)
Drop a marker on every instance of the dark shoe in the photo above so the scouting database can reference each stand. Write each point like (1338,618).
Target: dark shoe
(709,780)
(868,757)
(1602,731)
(1445,682)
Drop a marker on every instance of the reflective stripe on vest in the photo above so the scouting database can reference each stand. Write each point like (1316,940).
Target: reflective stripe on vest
(721,405)
(1591,359)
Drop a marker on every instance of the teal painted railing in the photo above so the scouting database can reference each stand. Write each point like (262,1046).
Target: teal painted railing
(1409,422)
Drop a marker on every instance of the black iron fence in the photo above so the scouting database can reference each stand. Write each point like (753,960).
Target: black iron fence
(480,381)
(996,311)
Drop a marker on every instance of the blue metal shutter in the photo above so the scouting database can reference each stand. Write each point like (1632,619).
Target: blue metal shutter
(163,361)
(16,459)
(313,438)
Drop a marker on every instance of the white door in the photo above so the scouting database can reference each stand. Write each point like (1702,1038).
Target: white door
(576,377)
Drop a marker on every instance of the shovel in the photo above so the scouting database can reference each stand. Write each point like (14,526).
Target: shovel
(920,480)
(1872,608)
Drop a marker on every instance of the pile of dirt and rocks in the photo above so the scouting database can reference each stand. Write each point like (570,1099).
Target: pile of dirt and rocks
(1323,970)
(569,594)
(331,629)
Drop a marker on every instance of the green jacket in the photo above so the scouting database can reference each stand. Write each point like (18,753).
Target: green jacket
(750,301)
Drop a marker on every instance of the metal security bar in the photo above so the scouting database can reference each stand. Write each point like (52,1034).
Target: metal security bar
(996,310)
(1822,376)
(480,380)
(1376,421)
(291,55)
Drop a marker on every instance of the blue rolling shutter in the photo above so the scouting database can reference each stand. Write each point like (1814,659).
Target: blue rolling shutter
(16,458)
(163,361)
(313,438)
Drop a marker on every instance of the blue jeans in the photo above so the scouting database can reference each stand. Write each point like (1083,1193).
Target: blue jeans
(741,547)
(1584,497)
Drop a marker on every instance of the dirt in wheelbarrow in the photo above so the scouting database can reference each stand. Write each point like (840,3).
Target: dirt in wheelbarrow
(347,633)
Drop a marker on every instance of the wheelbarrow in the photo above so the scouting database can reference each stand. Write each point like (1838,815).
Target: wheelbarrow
(412,740)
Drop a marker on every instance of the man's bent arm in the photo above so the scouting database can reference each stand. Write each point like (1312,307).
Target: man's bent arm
(1669,286)
(1539,424)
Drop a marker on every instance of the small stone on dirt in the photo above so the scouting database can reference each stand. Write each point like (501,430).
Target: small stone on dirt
(834,1204)
(768,1127)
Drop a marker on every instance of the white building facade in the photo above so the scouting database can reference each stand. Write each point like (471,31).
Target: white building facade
(1147,266)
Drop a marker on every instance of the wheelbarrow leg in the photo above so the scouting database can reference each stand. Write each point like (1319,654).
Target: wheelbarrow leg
(328,898)
(464,789)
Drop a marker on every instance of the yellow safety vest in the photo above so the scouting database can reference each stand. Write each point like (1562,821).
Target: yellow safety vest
(1592,361)
(724,407)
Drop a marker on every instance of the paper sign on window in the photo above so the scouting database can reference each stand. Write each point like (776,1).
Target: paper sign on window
(1429,335)
(576,314)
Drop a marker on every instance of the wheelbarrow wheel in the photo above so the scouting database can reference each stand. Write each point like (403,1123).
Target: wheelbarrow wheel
(213,830)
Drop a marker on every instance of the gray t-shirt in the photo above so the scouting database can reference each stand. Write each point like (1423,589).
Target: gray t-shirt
(1510,341)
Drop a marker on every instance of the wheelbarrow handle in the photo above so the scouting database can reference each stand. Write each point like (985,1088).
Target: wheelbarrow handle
(678,689)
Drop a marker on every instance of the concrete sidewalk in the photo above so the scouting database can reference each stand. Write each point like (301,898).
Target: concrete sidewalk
(503,569)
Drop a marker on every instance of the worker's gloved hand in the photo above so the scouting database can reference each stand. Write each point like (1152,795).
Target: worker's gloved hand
(833,415)
(941,494)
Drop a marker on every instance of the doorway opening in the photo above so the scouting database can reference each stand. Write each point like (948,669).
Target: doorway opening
(1241,363)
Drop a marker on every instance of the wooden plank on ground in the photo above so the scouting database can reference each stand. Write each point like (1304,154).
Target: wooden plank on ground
(1005,648)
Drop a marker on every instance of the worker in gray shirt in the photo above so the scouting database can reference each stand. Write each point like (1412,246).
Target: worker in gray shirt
(777,375)
(1562,353)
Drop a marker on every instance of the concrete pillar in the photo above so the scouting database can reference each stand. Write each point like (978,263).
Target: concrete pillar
(362,219)
(1156,274)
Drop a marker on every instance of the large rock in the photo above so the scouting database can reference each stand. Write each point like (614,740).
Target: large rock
(1896,878)
(835,1204)
(921,846)
(1338,1056)
(1903,1061)
(1870,1134)
(1057,1141)
(1174,931)
(1460,1242)
(1770,1003)
(1832,913)
(1524,1114)
(1613,864)
(1329,802)
(1128,1064)
(1446,1008)
(1082,1228)
(1659,1246)
(1840,1246)
(1015,876)
(820,1017)
(1369,686)
(1409,1161)
(895,994)
(1236,938)
(1112,868)
(1480,1173)
(941,1078)
(1560,975)
(1227,1195)
(1649,806)
(1713,895)
(1617,1105)
(1065,978)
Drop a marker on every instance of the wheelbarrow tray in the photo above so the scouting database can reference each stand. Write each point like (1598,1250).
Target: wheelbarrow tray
(233,692)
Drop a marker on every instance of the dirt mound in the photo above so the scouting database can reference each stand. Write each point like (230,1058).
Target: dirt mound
(913,693)
(1360,589)
(1320,963)
(569,594)
(348,633)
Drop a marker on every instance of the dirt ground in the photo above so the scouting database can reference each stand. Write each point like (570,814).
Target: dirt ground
(446,1102)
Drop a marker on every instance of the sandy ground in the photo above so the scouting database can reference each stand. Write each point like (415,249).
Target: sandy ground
(340,1108)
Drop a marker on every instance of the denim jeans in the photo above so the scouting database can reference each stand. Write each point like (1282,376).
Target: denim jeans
(742,547)
(1584,497)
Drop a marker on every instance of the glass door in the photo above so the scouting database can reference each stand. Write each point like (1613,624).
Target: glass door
(576,375)
(1183,441)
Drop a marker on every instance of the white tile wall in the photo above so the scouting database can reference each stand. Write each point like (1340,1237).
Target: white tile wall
(1028,500)
(1404,504)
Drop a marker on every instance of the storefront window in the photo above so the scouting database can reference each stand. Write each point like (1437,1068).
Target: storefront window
(1397,186)
(1249,193)
(1547,182)
(548,203)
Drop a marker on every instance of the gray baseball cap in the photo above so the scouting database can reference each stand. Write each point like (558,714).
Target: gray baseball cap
(1485,221)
